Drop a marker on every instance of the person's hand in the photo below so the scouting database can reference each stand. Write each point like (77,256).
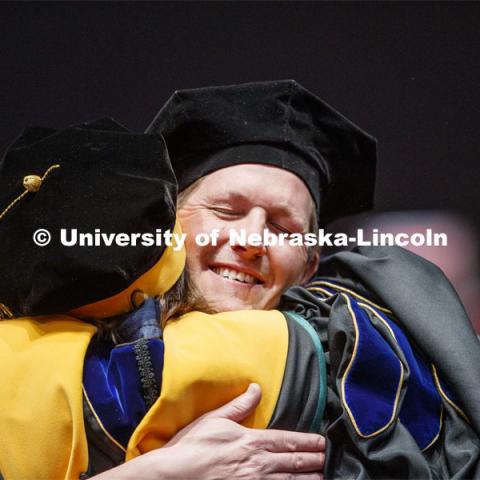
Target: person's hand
(215,447)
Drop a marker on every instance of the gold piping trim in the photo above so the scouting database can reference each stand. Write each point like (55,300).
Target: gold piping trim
(351,292)
(439,430)
(29,187)
(393,334)
(344,401)
(100,422)
(321,290)
(445,396)
(369,308)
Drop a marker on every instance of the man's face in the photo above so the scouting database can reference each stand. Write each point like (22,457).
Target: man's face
(249,197)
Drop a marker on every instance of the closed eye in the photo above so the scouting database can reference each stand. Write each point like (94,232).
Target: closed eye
(280,229)
(226,211)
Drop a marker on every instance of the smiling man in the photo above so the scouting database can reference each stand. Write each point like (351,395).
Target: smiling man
(254,157)
(273,156)
(238,276)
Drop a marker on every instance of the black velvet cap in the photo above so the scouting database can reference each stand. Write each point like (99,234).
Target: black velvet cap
(108,179)
(277,123)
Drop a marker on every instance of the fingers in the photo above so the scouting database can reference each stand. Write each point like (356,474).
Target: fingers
(298,462)
(284,441)
(236,410)
(241,407)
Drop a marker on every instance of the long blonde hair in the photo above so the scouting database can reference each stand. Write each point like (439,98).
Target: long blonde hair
(182,298)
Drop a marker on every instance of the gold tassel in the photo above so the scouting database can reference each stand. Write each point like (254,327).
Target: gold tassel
(31,183)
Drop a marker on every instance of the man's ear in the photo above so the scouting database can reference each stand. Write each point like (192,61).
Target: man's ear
(311,267)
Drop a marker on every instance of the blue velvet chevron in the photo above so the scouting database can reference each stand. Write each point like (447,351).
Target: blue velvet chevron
(374,376)
(112,381)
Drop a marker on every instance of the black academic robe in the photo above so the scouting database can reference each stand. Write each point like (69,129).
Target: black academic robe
(433,430)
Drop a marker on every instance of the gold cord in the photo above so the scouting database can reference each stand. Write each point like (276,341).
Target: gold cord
(31,183)
(5,312)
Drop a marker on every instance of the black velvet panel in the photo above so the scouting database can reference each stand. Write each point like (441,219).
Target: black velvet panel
(109,179)
(299,395)
(277,123)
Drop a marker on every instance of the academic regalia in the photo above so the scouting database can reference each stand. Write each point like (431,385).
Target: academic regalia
(47,400)
(417,416)
(112,402)
(95,177)
(392,411)
(281,123)
(278,123)
(74,178)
